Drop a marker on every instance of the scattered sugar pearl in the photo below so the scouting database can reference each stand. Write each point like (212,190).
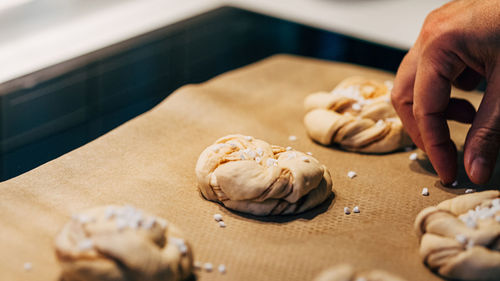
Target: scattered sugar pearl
(454,184)
(208,266)
(356,107)
(425,191)
(351,174)
(28,266)
(222,224)
(347,211)
(469,190)
(413,156)
(258,159)
(288,148)
(292,138)
(356,209)
(379,123)
(309,153)
(218,217)
(260,151)
(462,239)
(197,265)
(222,268)
(305,159)
(249,138)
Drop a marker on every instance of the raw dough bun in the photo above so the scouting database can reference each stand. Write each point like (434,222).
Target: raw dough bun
(249,175)
(345,272)
(114,243)
(460,237)
(358,115)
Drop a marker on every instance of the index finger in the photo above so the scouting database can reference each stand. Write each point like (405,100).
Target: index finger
(431,99)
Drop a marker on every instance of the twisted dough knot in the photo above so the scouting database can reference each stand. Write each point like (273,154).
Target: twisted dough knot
(358,115)
(249,175)
(460,237)
(121,243)
(346,272)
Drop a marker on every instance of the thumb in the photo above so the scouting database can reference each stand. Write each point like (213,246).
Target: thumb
(483,140)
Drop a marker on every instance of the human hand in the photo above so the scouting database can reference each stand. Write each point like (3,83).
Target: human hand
(458,45)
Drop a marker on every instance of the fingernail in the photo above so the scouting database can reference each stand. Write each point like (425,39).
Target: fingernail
(480,170)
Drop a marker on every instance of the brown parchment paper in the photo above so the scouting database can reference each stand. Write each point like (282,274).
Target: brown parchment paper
(149,163)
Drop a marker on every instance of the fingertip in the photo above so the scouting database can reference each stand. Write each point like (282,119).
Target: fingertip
(444,161)
(480,170)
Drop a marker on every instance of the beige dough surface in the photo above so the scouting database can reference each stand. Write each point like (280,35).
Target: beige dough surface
(149,163)
(346,272)
(115,243)
(251,176)
(357,115)
(460,237)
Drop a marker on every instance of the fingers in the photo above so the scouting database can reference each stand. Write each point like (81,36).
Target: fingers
(431,106)
(483,140)
(460,110)
(402,95)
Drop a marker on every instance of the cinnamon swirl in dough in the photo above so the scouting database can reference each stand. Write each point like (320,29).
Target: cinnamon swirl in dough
(249,175)
(114,243)
(460,237)
(358,115)
(345,272)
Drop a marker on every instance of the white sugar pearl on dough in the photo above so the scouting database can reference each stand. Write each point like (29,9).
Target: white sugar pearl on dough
(85,244)
(270,162)
(249,138)
(425,191)
(454,184)
(356,107)
(258,159)
(470,244)
(351,174)
(462,239)
(356,209)
(288,148)
(309,153)
(469,190)
(217,217)
(208,266)
(347,211)
(222,268)
(28,266)
(222,224)
(305,159)
(379,123)
(292,138)
(259,151)
(413,156)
